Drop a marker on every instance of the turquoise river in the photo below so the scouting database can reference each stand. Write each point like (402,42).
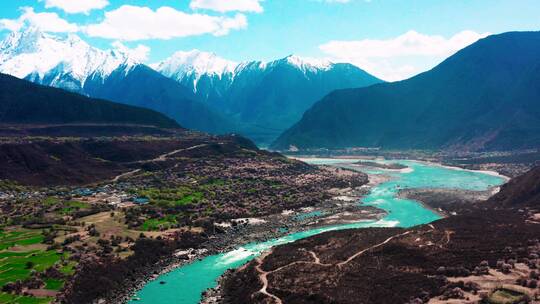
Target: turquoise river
(185,284)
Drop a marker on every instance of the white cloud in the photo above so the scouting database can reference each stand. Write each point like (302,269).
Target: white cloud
(47,22)
(228,5)
(139,53)
(400,57)
(10,24)
(131,23)
(76,6)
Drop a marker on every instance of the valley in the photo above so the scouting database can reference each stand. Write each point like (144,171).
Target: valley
(169,211)
(140,209)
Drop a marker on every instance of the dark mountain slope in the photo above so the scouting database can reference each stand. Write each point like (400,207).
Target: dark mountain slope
(82,161)
(523,190)
(22,102)
(144,87)
(480,98)
(264,99)
(277,97)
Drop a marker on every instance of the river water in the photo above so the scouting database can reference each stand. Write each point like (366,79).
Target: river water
(185,284)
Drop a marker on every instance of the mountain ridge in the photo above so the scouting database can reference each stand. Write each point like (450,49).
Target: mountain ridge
(33,54)
(23,102)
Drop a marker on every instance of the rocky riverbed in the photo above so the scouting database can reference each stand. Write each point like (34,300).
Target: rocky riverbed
(343,208)
(372,164)
(447,202)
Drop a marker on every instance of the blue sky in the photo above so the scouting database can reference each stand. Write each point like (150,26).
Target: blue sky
(392,39)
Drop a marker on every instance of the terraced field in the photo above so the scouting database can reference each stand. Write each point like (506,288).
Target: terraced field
(21,254)
(20,238)
(15,299)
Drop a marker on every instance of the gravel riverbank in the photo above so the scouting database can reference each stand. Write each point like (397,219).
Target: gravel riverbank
(447,202)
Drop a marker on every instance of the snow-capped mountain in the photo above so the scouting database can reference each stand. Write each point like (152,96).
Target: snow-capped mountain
(200,90)
(304,64)
(60,61)
(263,97)
(206,74)
(194,64)
(68,62)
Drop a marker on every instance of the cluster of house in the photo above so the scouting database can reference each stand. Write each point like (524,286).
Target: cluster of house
(108,195)
(14,195)
(5,196)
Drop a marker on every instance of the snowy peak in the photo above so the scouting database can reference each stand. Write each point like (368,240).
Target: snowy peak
(307,64)
(48,58)
(303,64)
(194,63)
(22,42)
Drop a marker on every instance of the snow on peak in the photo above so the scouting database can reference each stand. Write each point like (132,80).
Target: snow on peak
(32,52)
(22,41)
(194,63)
(303,64)
(308,64)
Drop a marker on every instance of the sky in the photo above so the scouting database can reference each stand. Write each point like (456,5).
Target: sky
(392,39)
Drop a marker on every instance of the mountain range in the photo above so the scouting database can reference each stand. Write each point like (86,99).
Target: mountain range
(199,90)
(263,98)
(485,97)
(67,62)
